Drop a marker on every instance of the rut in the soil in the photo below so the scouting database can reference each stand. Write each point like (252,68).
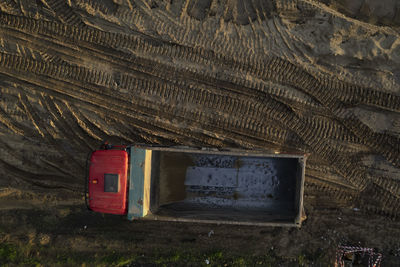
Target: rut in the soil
(274,110)
(88,84)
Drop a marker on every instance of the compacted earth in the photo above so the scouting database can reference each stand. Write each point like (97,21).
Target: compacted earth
(43,229)
(317,77)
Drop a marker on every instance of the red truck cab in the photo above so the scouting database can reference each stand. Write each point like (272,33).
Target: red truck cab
(107,184)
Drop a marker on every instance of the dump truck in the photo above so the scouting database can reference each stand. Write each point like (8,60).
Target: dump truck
(186,184)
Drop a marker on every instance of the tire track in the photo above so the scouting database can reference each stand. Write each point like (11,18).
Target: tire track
(389,184)
(134,43)
(42,180)
(10,124)
(378,200)
(64,126)
(246,112)
(164,76)
(33,116)
(92,79)
(287,70)
(351,94)
(39,124)
(11,115)
(329,129)
(133,117)
(251,125)
(10,6)
(64,12)
(279,112)
(328,153)
(385,145)
(48,86)
(36,170)
(31,168)
(324,98)
(91,129)
(320,188)
(105,7)
(324,172)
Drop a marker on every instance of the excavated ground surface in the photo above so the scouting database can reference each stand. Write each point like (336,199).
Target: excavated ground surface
(319,77)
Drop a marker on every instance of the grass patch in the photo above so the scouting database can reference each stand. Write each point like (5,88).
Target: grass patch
(8,253)
(11,254)
(28,255)
(117,259)
(301,260)
(208,258)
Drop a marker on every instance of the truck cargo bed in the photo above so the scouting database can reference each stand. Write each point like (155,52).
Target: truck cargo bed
(235,187)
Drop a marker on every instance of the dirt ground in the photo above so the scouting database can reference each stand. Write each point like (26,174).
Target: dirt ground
(316,77)
(57,230)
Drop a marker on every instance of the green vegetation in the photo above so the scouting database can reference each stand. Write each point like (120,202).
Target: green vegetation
(301,260)
(36,255)
(8,252)
(210,258)
(28,255)
(16,255)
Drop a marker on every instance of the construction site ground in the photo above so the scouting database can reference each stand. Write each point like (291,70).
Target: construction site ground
(319,77)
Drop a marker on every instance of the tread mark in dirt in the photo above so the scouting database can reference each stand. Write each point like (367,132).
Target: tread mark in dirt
(247,129)
(276,111)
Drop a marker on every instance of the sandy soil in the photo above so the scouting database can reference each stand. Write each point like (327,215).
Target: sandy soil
(320,77)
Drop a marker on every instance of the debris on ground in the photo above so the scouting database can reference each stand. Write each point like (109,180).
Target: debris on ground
(357,255)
